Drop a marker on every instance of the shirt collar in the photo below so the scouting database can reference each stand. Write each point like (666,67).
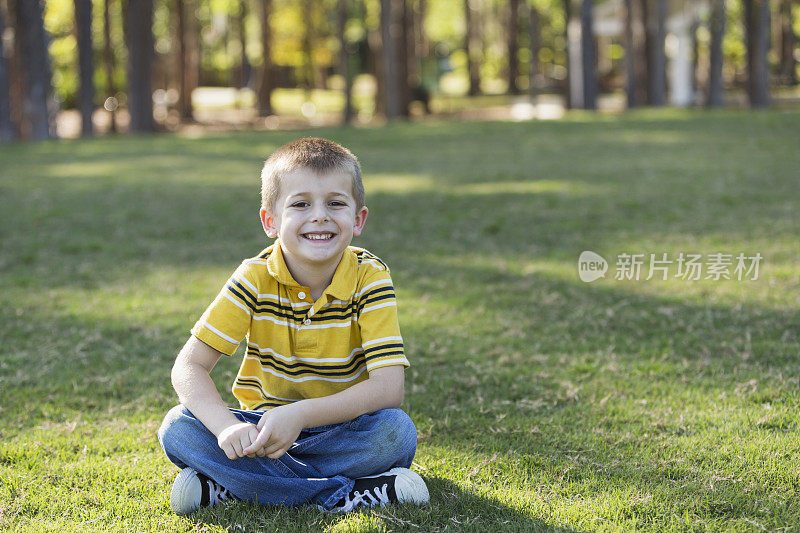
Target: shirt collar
(343,284)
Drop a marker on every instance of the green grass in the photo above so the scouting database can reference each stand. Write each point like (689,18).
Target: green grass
(542,402)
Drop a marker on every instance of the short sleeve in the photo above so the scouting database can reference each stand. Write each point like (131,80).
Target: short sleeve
(227,320)
(377,321)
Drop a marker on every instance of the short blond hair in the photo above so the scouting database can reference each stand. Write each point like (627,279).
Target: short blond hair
(313,153)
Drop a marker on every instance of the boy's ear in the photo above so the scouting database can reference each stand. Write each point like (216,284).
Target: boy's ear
(361,219)
(268,223)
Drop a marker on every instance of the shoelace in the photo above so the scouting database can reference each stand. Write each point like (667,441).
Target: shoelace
(216,493)
(367,498)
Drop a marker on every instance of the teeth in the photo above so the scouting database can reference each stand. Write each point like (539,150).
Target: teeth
(318,236)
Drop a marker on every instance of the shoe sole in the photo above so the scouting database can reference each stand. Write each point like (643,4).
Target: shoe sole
(409,486)
(180,498)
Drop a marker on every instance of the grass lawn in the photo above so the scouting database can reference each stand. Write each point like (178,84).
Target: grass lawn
(542,402)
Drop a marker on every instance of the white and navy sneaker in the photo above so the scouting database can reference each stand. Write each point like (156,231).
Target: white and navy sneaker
(398,485)
(192,490)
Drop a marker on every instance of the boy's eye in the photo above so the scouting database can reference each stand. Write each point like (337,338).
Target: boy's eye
(337,203)
(300,204)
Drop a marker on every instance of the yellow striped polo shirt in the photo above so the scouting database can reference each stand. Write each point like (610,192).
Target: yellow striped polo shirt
(299,348)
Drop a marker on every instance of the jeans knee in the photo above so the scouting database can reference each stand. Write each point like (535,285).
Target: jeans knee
(395,433)
(169,431)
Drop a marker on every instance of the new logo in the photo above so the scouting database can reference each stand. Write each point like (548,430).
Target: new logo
(591,266)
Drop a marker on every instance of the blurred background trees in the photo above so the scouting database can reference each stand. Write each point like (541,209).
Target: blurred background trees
(145,65)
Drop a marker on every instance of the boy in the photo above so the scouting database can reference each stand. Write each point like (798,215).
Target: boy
(322,378)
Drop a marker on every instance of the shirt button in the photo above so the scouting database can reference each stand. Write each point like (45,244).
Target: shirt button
(307,321)
(301,295)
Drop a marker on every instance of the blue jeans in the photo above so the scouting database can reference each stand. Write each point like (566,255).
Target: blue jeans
(318,468)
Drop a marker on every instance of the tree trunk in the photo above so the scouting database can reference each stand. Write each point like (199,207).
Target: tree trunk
(513,47)
(406,33)
(473,65)
(656,69)
(188,57)
(244,64)
(6,126)
(184,97)
(534,45)
(83,27)
(344,62)
(645,10)
(265,84)
(588,56)
(17,77)
(567,5)
(748,21)
(389,30)
(788,70)
(413,49)
(36,64)
(630,56)
(757,36)
(108,62)
(717,23)
(140,61)
(309,76)
(422,35)
(695,26)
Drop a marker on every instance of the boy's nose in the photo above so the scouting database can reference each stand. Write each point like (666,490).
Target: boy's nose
(319,213)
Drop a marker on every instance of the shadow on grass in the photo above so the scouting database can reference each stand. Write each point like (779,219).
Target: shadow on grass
(451,508)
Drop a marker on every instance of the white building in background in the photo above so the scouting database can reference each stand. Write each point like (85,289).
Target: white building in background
(609,22)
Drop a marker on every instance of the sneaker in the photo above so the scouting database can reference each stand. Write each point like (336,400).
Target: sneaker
(192,490)
(399,485)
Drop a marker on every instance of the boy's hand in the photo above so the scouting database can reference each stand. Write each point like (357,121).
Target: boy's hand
(279,428)
(234,439)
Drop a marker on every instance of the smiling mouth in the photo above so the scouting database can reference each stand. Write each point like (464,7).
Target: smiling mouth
(318,236)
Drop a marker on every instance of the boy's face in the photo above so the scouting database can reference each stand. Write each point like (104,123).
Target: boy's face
(315,218)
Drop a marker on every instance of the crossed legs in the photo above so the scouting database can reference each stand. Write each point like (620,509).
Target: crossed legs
(319,468)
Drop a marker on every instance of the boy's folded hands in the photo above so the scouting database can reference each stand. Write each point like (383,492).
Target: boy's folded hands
(277,430)
(234,439)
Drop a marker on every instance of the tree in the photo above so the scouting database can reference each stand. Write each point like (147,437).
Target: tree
(416,49)
(344,61)
(788,70)
(405,54)
(657,60)
(513,46)
(756,20)
(473,64)
(108,60)
(36,64)
(389,33)
(589,57)
(83,27)
(265,83)
(568,49)
(187,57)
(244,64)
(140,60)
(309,39)
(534,45)
(635,66)
(717,27)
(6,126)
